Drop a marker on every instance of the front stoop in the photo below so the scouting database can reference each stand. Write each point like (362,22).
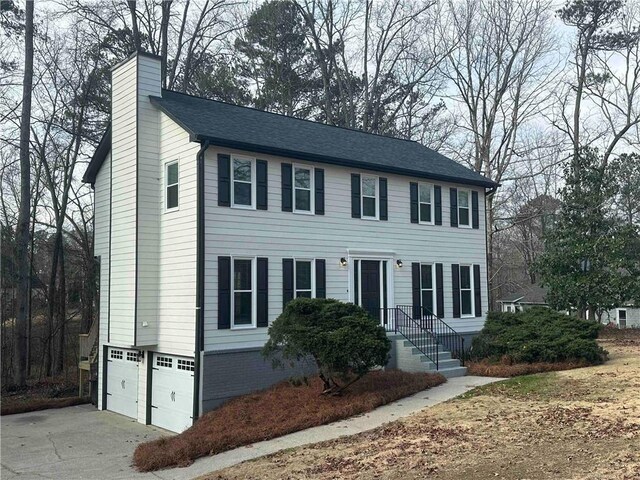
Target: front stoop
(405,356)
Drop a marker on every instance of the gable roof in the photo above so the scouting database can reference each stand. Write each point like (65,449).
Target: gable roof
(533,294)
(250,129)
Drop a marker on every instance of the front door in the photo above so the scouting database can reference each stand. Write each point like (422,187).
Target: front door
(370,287)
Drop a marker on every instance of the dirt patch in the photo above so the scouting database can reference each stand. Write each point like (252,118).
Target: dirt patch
(577,424)
(36,404)
(274,412)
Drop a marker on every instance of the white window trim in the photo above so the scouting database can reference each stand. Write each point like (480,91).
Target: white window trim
(377,197)
(470,224)
(313,276)
(312,184)
(166,185)
(253,183)
(472,288)
(434,286)
(433,209)
(254,294)
(618,310)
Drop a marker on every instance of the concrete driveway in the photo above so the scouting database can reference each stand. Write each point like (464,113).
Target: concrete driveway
(71,443)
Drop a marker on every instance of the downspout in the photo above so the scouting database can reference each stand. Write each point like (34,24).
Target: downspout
(199,344)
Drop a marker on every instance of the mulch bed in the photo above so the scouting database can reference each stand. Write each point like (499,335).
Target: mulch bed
(57,392)
(485,368)
(11,407)
(281,409)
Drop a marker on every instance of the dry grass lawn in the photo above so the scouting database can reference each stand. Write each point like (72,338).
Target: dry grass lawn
(276,411)
(576,424)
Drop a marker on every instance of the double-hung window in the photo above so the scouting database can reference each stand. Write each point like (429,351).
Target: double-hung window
(369,188)
(243,182)
(303,279)
(466,291)
(303,186)
(171,175)
(243,297)
(464,210)
(426,209)
(427,286)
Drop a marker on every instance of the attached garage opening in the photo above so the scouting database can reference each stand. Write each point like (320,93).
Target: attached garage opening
(172,392)
(122,381)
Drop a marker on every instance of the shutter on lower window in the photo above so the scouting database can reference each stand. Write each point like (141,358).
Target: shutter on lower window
(437,193)
(287,188)
(384,214)
(263,292)
(321,278)
(261,184)
(319,190)
(453,202)
(415,289)
(477,292)
(413,200)
(475,215)
(224,292)
(224,180)
(439,291)
(355,195)
(455,280)
(287,281)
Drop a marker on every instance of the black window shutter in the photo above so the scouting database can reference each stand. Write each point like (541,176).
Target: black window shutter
(287,281)
(476,290)
(224,180)
(415,289)
(287,188)
(437,193)
(384,214)
(455,277)
(453,202)
(355,195)
(224,292)
(261,184)
(439,291)
(475,217)
(321,278)
(319,188)
(413,196)
(263,292)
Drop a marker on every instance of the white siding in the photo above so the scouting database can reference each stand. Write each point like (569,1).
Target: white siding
(123,203)
(633,316)
(101,249)
(276,234)
(177,244)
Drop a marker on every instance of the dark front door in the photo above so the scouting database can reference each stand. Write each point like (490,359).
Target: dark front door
(370,287)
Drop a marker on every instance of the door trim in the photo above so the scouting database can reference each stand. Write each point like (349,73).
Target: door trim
(381,256)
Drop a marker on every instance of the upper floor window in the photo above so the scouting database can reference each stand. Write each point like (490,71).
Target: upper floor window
(427,286)
(426,203)
(303,186)
(243,293)
(466,291)
(464,210)
(369,196)
(171,185)
(303,279)
(243,182)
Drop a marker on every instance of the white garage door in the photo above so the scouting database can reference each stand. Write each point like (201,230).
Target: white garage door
(122,381)
(172,392)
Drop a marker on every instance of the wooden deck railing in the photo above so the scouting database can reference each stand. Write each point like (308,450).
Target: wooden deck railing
(87,340)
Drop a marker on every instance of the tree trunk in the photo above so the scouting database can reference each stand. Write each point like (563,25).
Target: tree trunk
(134,25)
(22,230)
(490,272)
(61,316)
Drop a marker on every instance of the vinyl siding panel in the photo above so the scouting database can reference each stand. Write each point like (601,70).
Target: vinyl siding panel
(101,249)
(276,234)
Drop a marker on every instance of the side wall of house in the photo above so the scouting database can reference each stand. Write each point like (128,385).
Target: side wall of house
(101,249)
(633,316)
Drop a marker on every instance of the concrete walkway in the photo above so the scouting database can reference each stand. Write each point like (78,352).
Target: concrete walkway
(82,443)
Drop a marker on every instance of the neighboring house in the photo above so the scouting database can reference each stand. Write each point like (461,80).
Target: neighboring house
(531,296)
(625,316)
(209,217)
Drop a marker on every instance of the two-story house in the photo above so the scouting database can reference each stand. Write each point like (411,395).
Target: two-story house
(209,217)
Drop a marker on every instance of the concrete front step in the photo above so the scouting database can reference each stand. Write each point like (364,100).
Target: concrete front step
(442,364)
(452,372)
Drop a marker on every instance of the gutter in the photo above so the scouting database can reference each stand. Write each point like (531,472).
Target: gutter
(199,343)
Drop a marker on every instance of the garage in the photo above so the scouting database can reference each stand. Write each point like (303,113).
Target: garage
(122,381)
(172,392)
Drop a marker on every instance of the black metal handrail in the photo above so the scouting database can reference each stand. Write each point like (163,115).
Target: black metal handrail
(447,336)
(399,320)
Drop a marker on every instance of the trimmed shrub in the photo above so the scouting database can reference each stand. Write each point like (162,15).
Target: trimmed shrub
(342,339)
(538,335)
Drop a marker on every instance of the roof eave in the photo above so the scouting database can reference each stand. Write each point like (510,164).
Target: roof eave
(98,157)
